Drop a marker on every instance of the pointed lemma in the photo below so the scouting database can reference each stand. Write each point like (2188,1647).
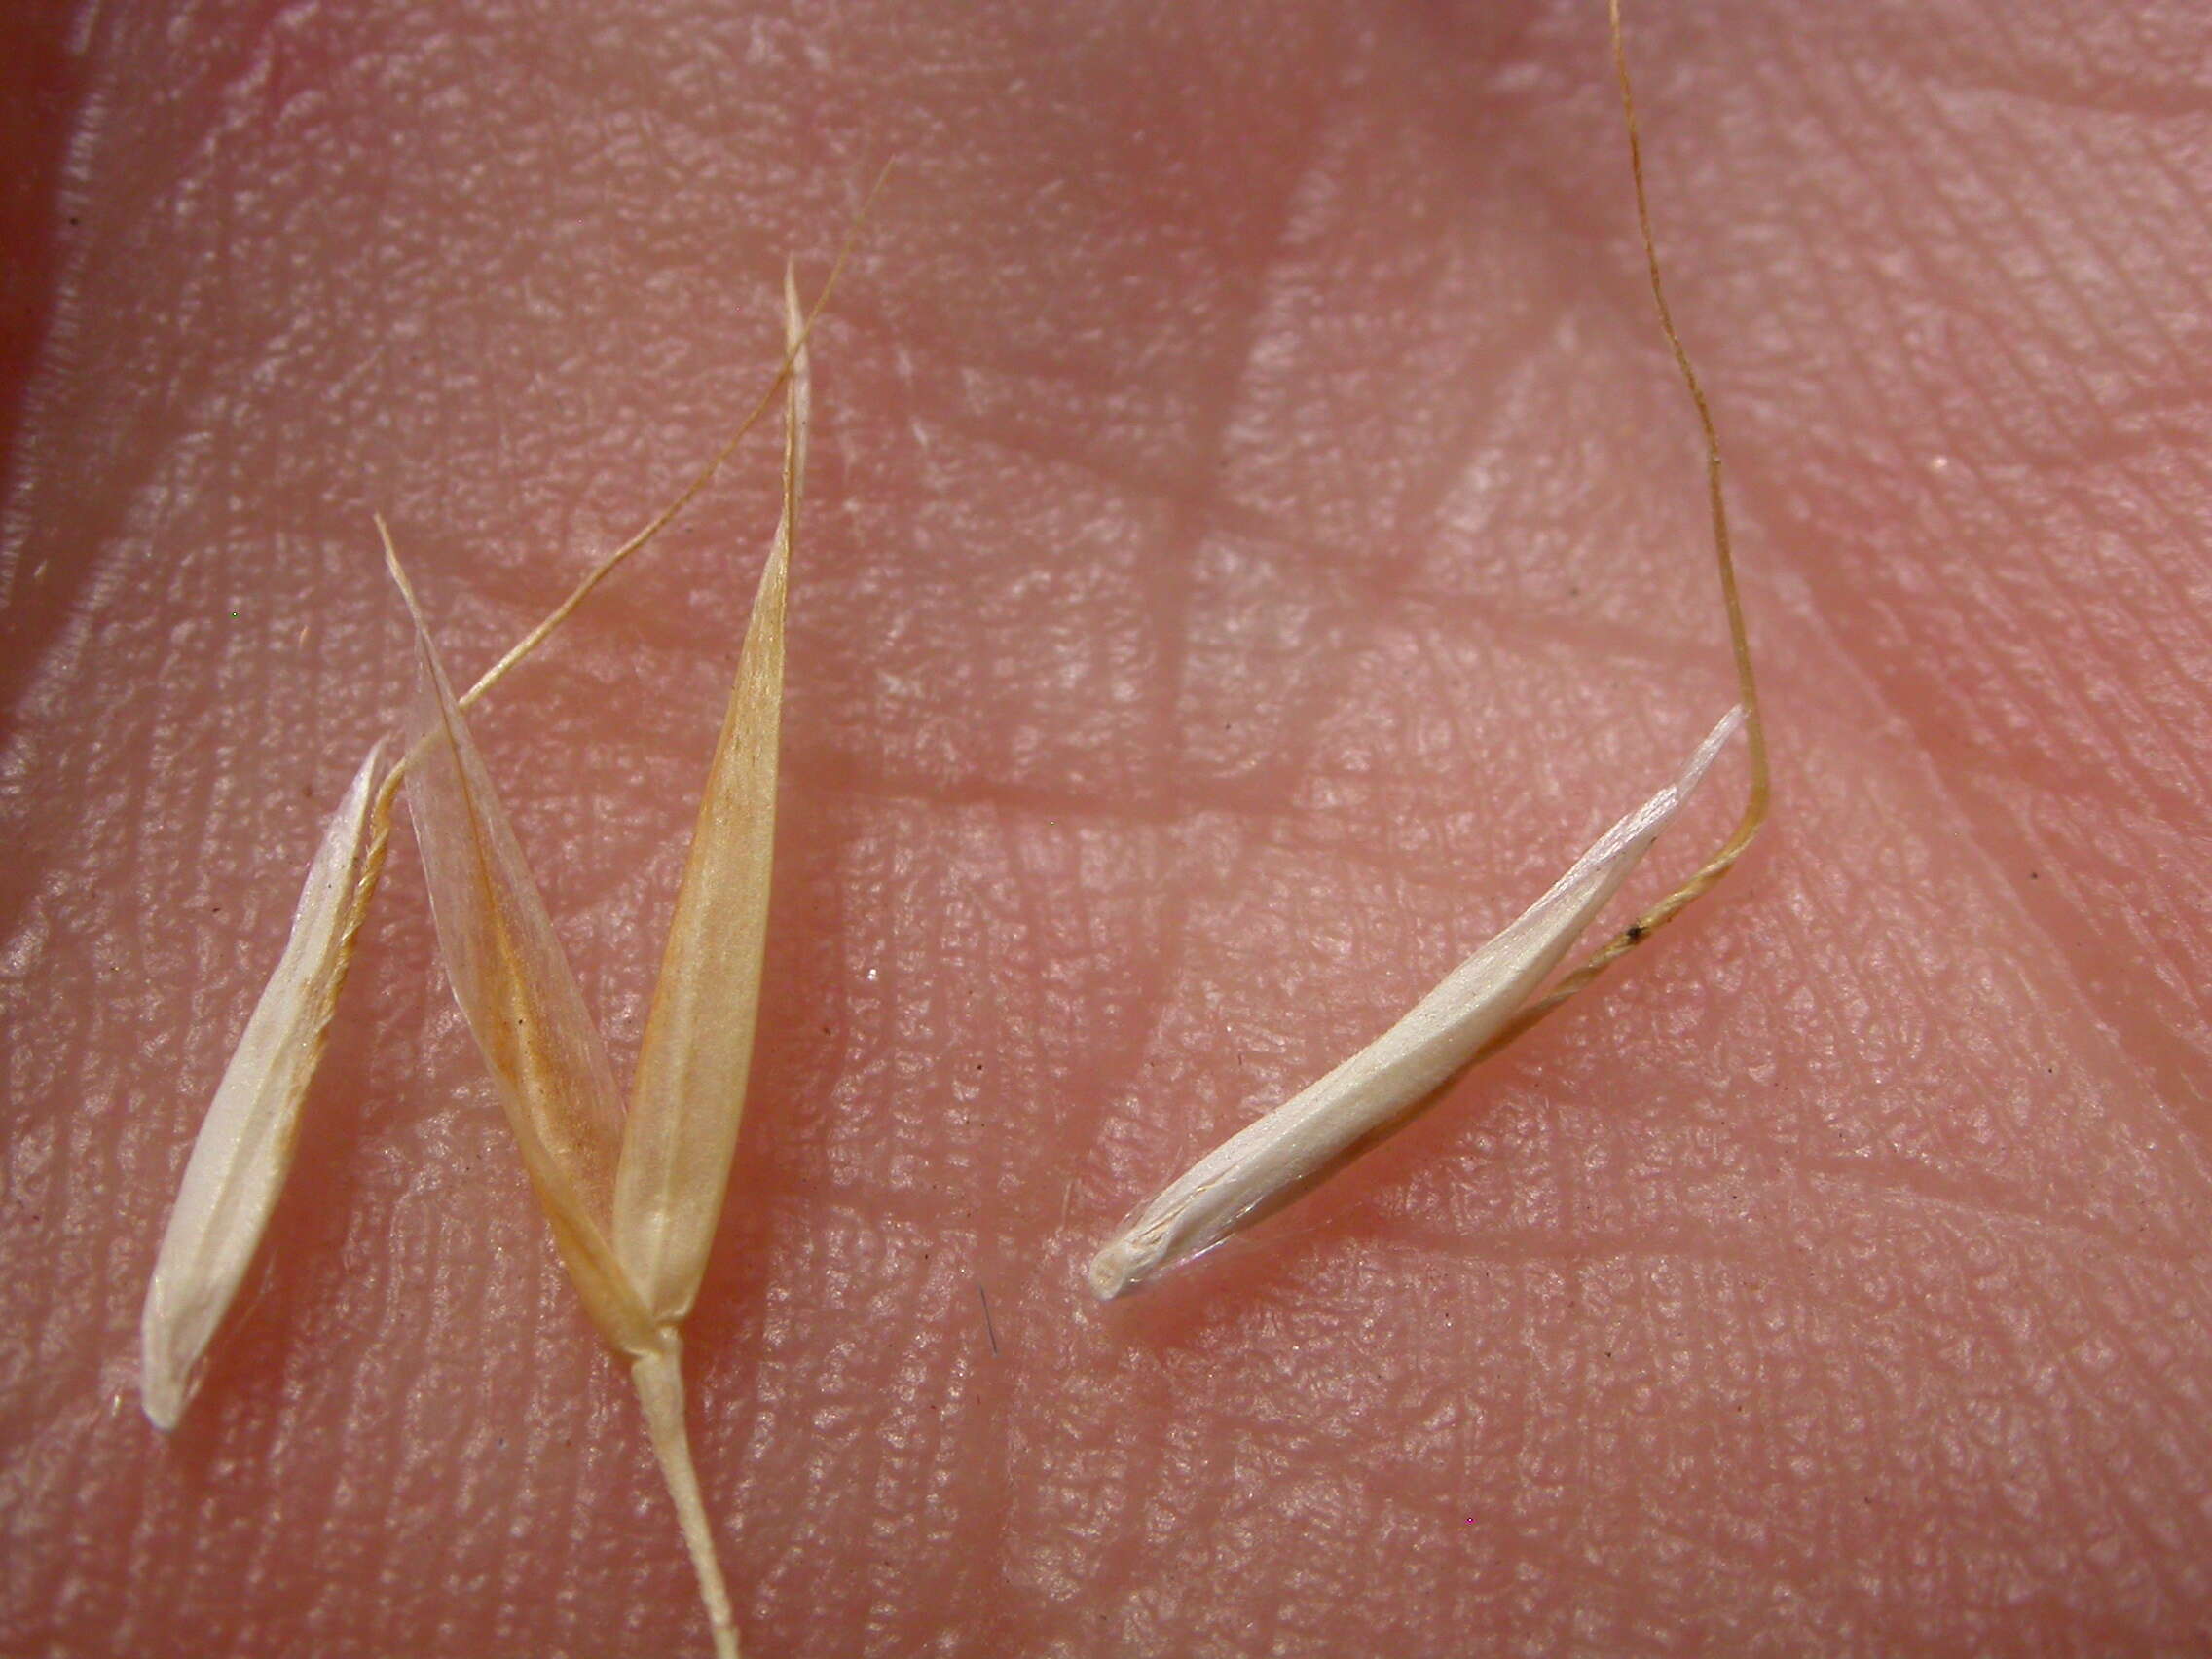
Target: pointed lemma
(245,1147)
(632,1204)
(1443,1033)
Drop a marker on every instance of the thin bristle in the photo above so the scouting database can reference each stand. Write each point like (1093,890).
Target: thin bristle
(1758,799)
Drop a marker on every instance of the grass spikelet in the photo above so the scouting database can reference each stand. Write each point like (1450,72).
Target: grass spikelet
(244,1149)
(632,1204)
(215,1228)
(1488,1001)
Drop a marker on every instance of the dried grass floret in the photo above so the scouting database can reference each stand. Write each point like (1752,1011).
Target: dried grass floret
(689,1093)
(1487,1002)
(213,1232)
(1367,1094)
(244,1148)
(632,1204)
(513,984)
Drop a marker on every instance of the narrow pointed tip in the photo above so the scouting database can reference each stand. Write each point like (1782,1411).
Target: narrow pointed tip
(163,1383)
(876,189)
(415,617)
(794,320)
(1708,752)
(398,572)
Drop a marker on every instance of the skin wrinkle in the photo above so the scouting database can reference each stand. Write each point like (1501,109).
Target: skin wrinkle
(1902,1185)
(1248,524)
(2088,392)
(1266,805)
(2094,1519)
(1209,453)
(2164,1078)
(2089,318)
(2158,640)
(1936,192)
(1316,694)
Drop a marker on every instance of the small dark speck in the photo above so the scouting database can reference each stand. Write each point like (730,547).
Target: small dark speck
(2033,875)
(1635,932)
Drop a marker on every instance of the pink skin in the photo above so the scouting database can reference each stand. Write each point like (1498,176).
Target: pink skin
(1255,540)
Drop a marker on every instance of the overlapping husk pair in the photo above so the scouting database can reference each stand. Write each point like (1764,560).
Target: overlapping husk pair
(632,1198)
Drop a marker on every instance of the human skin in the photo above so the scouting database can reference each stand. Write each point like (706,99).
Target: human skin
(1254,541)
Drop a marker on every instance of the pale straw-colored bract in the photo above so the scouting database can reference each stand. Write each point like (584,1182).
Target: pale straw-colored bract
(1490,999)
(632,1204)
(698,1041)
(244,1149)
(1368,1094)
(632,1201)
(242,1152)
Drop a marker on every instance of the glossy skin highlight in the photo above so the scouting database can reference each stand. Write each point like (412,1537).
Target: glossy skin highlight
(1220,420)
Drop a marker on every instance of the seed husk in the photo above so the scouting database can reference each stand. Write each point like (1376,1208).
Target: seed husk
(1391,1079)
(1367,1095)
(632,1201)
(244,1148)
(203,1256)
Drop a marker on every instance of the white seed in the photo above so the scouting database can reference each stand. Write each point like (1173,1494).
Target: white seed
(1443,1032)
(244,1148)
